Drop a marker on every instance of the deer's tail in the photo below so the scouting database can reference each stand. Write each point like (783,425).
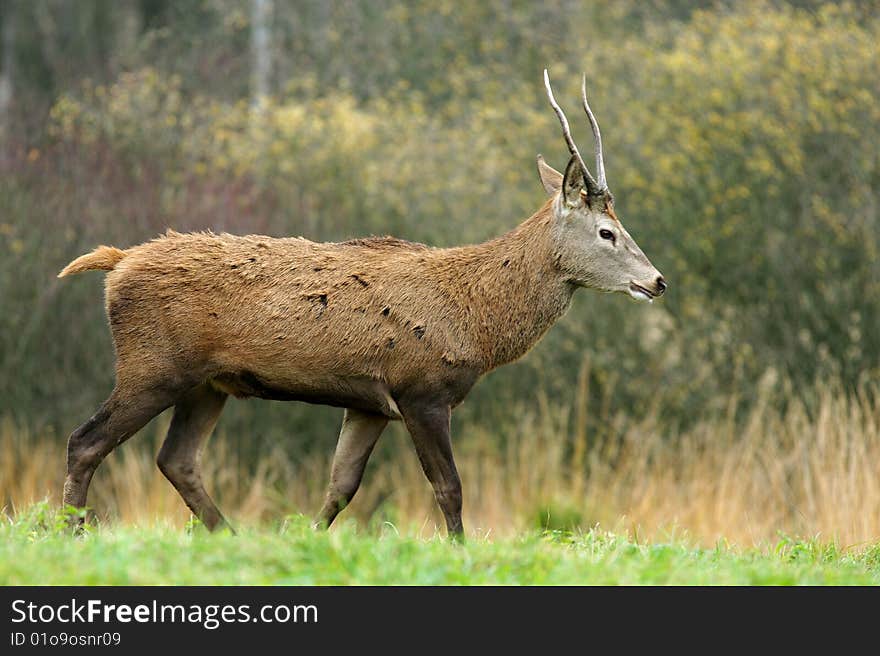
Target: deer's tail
(103,257)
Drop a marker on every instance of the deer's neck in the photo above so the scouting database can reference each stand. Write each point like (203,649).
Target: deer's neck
(511,291)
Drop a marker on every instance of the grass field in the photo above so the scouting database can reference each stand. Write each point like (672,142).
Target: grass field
(35,548)
(806,471)
(777,497)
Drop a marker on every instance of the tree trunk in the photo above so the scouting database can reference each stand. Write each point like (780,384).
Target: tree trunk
(261,50)
(7,72)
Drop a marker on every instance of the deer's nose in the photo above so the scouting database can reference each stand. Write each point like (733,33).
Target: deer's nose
(661,285)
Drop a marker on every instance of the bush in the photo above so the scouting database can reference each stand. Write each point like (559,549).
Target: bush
(741,145)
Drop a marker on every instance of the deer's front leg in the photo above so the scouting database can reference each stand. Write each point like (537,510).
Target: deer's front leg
(360,431)
(428,424)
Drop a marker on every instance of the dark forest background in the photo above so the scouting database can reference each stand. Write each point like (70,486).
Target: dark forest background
(741,144)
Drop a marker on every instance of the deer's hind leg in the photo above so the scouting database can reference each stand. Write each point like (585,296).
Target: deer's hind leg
(195,416)
(124,413)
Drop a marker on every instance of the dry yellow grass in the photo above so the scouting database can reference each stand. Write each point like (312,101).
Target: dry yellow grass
(805,471)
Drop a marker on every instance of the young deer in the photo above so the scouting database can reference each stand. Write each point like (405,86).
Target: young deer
(385,328)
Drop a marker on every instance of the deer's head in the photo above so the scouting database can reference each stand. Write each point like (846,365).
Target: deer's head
(592,246)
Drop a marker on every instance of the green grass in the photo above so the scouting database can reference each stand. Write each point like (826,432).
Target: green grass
(36,548)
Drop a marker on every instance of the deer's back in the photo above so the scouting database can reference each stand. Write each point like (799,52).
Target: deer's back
(290,318)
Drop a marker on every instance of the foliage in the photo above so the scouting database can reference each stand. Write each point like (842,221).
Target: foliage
(741,144)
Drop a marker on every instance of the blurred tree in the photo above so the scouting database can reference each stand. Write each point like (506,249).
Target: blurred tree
(741,138)
(261,24)
(7,65)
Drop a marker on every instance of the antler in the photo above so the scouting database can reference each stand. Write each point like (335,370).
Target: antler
(566,132)
(600,160)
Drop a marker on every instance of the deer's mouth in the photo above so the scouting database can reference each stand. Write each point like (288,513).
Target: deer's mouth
(640,293)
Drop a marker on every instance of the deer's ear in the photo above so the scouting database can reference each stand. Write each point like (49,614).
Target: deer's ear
(574,185)
(550,177)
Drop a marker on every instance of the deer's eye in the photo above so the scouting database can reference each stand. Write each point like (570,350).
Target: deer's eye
(606,234)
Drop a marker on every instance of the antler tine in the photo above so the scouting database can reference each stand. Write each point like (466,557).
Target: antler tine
(566,131)
(597,136)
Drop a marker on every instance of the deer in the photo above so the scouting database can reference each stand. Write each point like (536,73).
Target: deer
(387,329)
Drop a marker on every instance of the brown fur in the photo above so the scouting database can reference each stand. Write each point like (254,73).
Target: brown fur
(609,210)
(367,318)
(385,328)
(373,325)
(103,257)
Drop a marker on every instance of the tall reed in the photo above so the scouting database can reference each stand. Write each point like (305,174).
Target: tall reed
(806,470)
